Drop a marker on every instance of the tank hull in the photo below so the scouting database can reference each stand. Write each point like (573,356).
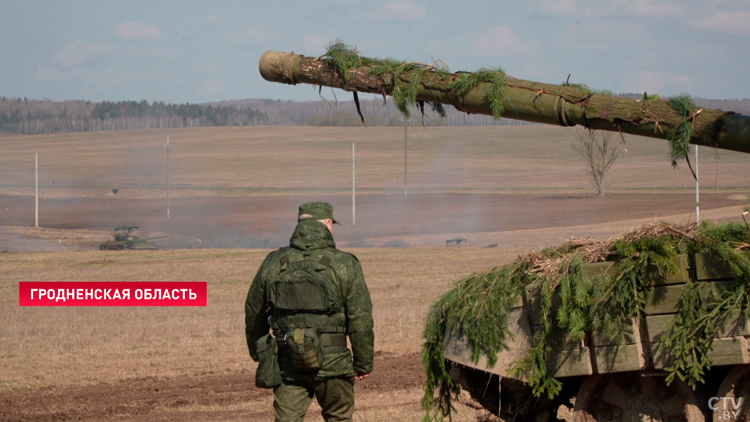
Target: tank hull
(592,369)
(114,245)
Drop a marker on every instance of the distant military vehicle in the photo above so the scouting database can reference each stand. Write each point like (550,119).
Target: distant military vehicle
(125,239)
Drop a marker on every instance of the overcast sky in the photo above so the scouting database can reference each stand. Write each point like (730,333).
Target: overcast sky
(195,51)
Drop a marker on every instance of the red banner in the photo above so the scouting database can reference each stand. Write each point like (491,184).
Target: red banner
(112,293)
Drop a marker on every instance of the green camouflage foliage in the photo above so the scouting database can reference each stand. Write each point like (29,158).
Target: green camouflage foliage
(572,304)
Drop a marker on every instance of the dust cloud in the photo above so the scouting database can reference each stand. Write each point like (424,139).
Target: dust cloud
(214,201)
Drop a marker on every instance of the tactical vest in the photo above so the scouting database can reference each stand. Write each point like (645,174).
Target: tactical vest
(305,286)
(304,295)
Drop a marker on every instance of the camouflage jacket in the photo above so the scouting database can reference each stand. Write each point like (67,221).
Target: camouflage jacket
(313,238)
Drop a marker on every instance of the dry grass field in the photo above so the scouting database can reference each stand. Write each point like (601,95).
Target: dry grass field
(75,363)
(233,197)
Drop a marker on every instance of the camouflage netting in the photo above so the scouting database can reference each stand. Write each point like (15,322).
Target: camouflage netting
(573,304)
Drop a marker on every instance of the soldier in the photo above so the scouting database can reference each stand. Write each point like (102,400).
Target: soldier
(311,296)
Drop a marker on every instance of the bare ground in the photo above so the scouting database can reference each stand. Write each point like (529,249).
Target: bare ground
(514,220)
(204,396)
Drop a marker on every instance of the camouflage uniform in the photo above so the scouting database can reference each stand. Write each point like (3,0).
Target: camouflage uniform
(332,385)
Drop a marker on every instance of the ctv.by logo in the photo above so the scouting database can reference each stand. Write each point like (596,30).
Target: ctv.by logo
(722,405)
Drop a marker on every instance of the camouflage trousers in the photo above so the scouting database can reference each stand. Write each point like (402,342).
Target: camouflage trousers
(335,396)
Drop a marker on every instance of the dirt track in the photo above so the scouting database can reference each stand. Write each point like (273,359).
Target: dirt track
(173,399)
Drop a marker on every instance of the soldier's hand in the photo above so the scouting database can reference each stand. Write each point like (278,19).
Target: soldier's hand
(359,376)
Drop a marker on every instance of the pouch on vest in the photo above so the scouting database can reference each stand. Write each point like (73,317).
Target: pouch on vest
(305,349)
(268,374)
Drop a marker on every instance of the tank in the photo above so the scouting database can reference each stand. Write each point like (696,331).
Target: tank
(659,335)
(550,338)
(124,238)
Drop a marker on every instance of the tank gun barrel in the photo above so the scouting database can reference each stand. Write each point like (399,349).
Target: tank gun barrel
(154,238)
(521,99)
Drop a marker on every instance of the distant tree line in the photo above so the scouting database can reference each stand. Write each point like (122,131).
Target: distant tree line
(377,112)
(34,117)
(44,116)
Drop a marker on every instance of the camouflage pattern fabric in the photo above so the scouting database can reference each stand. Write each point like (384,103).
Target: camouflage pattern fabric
(311,238)
(335,397)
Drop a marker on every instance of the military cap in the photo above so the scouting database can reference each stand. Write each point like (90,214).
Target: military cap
(317,211)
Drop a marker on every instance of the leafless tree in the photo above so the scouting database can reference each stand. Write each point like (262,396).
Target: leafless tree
(600,149)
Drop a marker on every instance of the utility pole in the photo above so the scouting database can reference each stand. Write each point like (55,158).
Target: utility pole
(354,187)
(697,190)
(36,184)
(167,176)
(406,168)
